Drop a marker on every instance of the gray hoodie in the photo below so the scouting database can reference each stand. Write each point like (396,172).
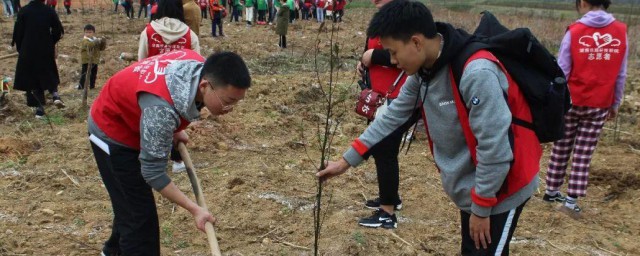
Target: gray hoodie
(489,118)
(160,120)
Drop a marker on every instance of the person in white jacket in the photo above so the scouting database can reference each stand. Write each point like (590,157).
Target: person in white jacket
(167,32)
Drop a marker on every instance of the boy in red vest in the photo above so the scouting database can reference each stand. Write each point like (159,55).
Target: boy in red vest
(593,55)
(141,112)
(489,187)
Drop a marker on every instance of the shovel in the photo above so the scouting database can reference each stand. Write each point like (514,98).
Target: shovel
(195,183)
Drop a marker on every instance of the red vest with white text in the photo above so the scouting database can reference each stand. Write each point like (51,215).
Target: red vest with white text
(382,77)
(596,55)
(116,111)
(155,44)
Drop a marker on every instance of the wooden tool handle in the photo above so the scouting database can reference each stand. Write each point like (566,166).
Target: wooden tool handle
(195,183)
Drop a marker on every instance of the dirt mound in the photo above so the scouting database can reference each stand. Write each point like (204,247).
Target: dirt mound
(617,182)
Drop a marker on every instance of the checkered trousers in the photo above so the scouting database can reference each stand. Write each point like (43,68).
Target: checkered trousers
(582,129)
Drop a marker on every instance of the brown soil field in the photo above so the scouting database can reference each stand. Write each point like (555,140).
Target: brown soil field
(257,164)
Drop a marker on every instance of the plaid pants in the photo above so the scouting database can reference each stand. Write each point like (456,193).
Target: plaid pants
(582,129)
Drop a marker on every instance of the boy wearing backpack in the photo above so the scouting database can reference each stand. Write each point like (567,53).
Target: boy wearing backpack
(491,185)
(593,55)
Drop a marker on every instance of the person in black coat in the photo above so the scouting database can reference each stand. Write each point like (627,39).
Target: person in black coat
(36,32)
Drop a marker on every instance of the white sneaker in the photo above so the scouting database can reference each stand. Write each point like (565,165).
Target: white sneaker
(178,167)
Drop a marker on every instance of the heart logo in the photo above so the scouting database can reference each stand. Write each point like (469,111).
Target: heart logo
(604,40)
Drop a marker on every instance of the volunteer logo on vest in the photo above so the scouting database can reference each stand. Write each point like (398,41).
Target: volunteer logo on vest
(599,46)
(144,67)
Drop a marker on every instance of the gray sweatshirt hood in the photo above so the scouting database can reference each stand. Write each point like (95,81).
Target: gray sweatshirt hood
(597,19)
(182,79)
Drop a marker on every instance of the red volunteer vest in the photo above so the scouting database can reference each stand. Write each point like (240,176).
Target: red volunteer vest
(116,111)
(382,77)
(596,55)
(525,145)
(156,46)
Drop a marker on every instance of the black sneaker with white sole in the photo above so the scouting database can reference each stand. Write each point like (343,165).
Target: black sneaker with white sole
(39,112)
(58,102)
(374,204)
(380,218)
(557,198)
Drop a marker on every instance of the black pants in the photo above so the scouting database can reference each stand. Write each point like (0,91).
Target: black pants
(203,13)
(502,227)
(135,223)
(262,15)
(68,9)
(283,42)
(129,10)
(292,15)
(385,154)
(116,7)
(272,13)
(234,14)
(92,76)
(337,16)
(35,98)
(142,7)
(216,22)
(175,154)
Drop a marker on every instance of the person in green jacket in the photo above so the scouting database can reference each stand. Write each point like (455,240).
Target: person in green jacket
(292,10)
(248,4)
(235,9)
(282,24)
(262,12)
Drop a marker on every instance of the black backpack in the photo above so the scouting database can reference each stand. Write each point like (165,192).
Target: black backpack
(531,66)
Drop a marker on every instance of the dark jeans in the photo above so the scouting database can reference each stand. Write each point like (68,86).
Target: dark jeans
(92,76)
(292,15)
(234,14)
(135,223)
(272,13)
(216,22)
(502,227)
(262,15)
(128,9)
(68,9)
(283,42)
(116,7)
(203,13)
(142,7)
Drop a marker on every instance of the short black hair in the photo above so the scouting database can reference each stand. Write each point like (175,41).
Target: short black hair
(169,9)
(401,19)
(90,27)
(604,3)
(226,68)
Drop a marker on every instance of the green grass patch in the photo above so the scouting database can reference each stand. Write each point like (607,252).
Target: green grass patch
(359,238)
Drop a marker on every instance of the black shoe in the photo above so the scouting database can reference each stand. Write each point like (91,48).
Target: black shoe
(39,113)
(558,198)
(379,218)
(58,102)
(374,204)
